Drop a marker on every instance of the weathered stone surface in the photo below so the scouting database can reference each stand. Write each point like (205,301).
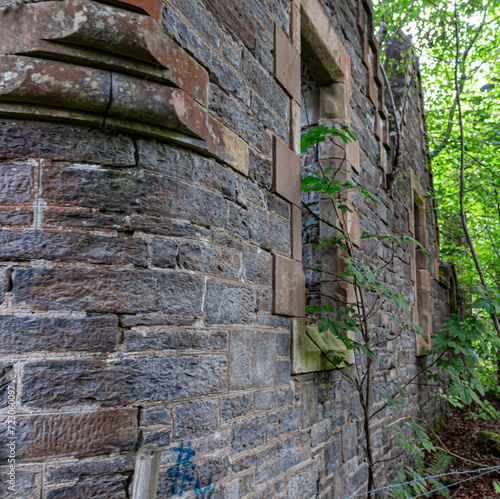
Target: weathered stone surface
(333,459)
(283,371)
(195,419)
(278,459)
(227,145)
(239,119)
(180,164)
(238,222)
(7,376)
(271,399)
(150,102)
(247,434)
(233,407)
(108,486)
(286,63)
(238,18)
(290,420)
(176,339)
(258,266)
(72,247)
(304,484)
(19,139)
(228,303)
(264,84)
(39,81)
(131,190)
(108,291)
(164,253)
(70,382)
(211,259)
(3,284)
(252,359)
(155,416)
(16,181)
(288,287)
(30,334)
(283,344)
(28,482)
(269,231)
(65,472)
(80,434)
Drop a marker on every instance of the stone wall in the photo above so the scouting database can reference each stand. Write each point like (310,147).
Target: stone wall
(151,245)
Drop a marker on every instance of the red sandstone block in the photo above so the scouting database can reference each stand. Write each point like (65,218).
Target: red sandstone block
(286,172)
(289,287)
(296,225)
(286,63)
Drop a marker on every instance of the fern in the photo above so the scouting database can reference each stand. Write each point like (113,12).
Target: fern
(438,465)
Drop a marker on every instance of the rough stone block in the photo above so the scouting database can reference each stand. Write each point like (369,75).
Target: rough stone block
(258,266)
(73,470)
(155,416)
(286,173)
(107,486)
(211,259)
(108,291)
(159,338)
(80,434)
(228,303)
(247,434)
(290,420)
(181,164)
(131,190)
(269,231)
(283,372)
(196,419)
(252,359)
(225,144)
(238,17)
(238,220)
(71,382)
(304,483)
(234,407)
(289,287)
(333,458)
(16,181)
(286,63)
(31,334)
(72,247)
(7,376)
(164,253)
(278,459)
(28,482)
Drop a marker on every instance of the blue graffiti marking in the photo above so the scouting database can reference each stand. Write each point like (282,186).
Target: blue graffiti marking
(185,454)
(207,491)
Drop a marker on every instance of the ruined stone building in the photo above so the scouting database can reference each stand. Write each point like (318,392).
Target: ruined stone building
(153,244)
